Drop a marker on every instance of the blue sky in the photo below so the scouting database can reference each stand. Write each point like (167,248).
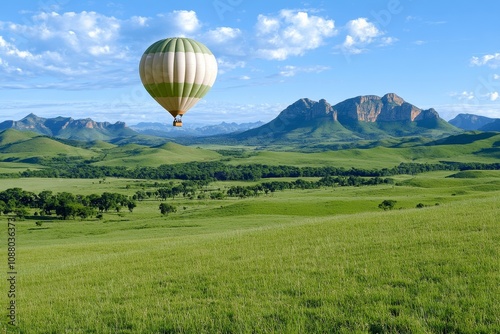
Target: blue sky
(80,58)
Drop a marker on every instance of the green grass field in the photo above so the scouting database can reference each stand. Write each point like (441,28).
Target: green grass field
(21,147)
(298,261)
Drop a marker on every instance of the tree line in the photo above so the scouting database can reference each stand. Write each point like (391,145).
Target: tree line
(67,205)
(327,181)
(64,204)
(218,171)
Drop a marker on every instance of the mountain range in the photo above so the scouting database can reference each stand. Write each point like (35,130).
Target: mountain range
(367,117)
(305,122)
(475,122)
(69,128)
(191,130)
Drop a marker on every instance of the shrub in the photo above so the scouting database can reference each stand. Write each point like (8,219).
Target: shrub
(387,204)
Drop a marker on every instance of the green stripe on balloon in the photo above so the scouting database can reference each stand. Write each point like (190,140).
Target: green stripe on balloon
(177,90)
(177,45)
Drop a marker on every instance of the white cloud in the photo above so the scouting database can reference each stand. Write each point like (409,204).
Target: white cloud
(267,25)
(496,77)
(56,38)
(291,33)
(385,41)
(140,20)
(466,95)
(185,21)
(360,34)
(225,65)
(493,96)
(223,34)
(463,96)
(226,41)
(290,71)
(83,50)
(363,31)
(491,60)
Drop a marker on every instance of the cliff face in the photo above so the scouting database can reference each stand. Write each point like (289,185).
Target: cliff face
(389,108)
(307,110)
(369,108)
(363,117)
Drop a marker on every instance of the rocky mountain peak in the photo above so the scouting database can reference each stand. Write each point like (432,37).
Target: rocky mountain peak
(365,108)
(306,109)
(392,98)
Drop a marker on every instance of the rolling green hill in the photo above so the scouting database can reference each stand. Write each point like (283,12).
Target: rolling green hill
(27,146)
(132,155)
(11,136)
(99,145)
(467,147)
(481,147)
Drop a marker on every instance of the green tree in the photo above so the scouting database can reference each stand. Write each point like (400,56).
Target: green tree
(131,205)
(165,209)
(217,195)
(387,204)
(21,212)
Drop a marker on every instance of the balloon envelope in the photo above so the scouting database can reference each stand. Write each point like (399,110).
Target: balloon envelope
(177,73)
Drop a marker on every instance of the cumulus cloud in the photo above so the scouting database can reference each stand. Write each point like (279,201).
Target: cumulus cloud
(60,47)
(491,60)
(85,32)
(85,49)
(493,96)
(291,33)
(226,40)
(223,34)
(360,34)
(186,22)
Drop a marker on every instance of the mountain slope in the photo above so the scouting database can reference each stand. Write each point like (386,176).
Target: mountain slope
(26,146)
(471,121)
(11,136)
(133,155)
(364,117)
(493,126)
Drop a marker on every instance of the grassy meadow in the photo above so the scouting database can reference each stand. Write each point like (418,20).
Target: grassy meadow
(296,261)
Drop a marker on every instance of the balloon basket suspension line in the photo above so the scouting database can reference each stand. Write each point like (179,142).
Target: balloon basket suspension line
(177,121)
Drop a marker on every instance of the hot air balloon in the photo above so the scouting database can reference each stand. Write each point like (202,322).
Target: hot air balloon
(177,73)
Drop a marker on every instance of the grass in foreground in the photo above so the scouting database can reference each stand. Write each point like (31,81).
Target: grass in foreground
(415,270)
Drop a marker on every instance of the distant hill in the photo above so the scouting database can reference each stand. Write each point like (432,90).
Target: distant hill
(11,136)
(475,122)
(90,130)
(167,130)
(29,147)
(69,128)
(360,118)
(493,126)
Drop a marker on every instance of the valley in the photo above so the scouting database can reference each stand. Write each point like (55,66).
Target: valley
(142,234)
